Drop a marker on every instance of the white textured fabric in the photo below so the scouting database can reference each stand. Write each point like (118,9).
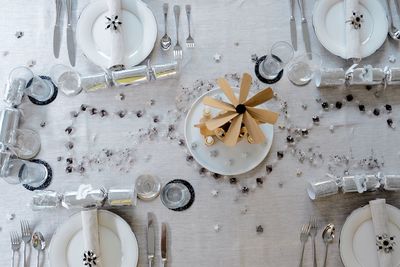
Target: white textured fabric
(90,231)
(235,29)
(353,42)
(380,220)
(117,36)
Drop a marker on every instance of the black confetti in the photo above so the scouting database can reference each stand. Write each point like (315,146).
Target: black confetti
(315,119)
(268,169)
(325,105)
(390,122)
(290,139)
(368,87)
(260,181)
(376,112)
(189,158)
(68,169)
(103,113)
(280,154)
(259,229)
(83,107)
(139,113)
(338,105)
(233,180)
(93,111)
(245,189)
(388,107)
(349,98)
(43,124)
(68,130)
(216,175)
(69,160)
(361,107)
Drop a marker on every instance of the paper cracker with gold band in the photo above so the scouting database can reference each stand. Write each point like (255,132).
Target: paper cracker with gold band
(238,119)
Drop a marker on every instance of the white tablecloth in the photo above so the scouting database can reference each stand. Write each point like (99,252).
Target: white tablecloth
(235,29)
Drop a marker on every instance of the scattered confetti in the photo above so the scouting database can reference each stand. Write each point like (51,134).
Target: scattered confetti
(19,34)
(259,229)
(214,193)
(10,216)
(217,58)
(217,228)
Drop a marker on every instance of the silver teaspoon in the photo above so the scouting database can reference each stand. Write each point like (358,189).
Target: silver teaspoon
(165,41)
(328,235)
(39,244)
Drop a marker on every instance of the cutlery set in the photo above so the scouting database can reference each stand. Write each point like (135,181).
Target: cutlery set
(26,237)
(151,241)
(304,27)
(310,229)
(69,30)
(166,42)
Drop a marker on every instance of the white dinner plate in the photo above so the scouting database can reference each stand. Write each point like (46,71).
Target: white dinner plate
(358,240)
(230,160)
(118,243)
(329,25)
(139,28)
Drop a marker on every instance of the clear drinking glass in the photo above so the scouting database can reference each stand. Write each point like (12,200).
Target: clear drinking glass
(27,143)
(280,54)
(301,70)
(66,79)
(147,187)
(40,89)
(16,171)
(175,195)
(18,80)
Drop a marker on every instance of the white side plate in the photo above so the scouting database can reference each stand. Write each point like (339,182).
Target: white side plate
(230,160)
(118,243)
(329,25)
(358,240)
(139,28)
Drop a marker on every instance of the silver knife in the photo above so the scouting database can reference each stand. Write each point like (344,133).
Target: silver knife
(164,244)
(304,28)
(293,31)
(57,30)
(70,34)
(151,239)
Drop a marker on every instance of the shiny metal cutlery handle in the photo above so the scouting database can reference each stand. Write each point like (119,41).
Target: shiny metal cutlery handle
(37,260)
(188,13)
(177,13)
(302,11)
(314,252)
(291,2)
(69,12)
(150,262)
(165,9)
(24,263)
(58,11)
(326,254)
(12,260)
(303,245)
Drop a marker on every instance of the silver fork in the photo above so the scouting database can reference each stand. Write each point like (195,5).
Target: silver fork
(189,39)
(313,233)
(15,245)
(305,232)
(177,48)
(26,236)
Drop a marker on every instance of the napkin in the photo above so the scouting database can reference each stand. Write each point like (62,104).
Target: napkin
(380,222)
(117,37)
(90,230)
(353,42)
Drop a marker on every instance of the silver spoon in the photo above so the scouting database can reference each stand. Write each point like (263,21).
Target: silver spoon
(165,40)
(38,243)
(328,235)
(393,31)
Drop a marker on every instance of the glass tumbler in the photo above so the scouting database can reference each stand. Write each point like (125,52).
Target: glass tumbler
(66,79)
(301,70)
(279,56)
(16,171)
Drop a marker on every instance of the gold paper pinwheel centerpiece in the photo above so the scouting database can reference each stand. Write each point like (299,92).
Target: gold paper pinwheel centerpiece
(240,117)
